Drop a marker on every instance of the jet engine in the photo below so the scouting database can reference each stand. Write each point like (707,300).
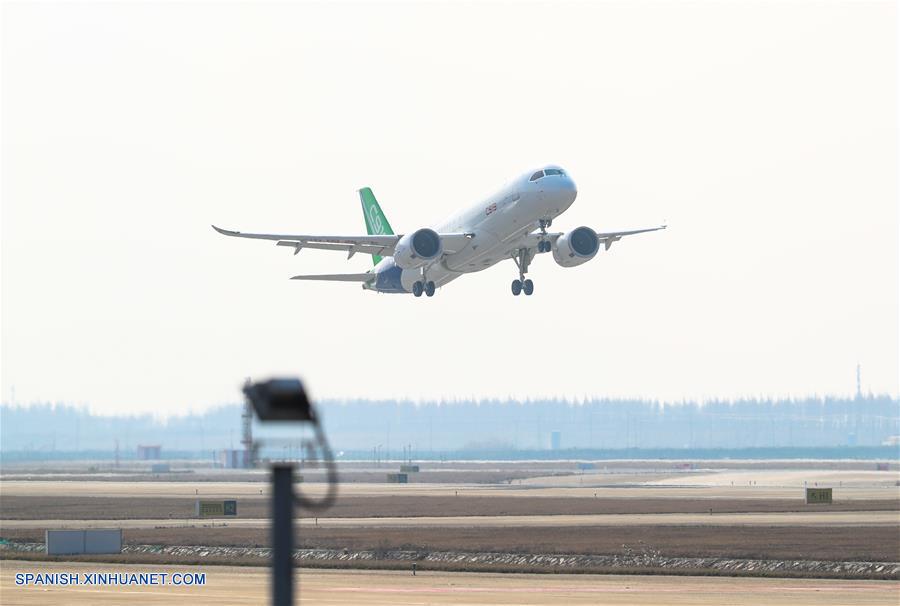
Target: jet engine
(417,248)
(576,247)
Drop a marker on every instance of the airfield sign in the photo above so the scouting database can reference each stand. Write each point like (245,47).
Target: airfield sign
(216,509)
(818,495)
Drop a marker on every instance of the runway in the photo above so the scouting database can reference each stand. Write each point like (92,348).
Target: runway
(572,486)
(248,585)
(815,518)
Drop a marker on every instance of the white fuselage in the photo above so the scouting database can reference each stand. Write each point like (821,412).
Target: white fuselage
(499,224)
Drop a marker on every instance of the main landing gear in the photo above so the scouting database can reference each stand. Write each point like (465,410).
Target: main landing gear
(523,259)
(424,285)
(519,286)
(420,287)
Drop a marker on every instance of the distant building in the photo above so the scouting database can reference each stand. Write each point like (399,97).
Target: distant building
(555,439)
(151,452)
(234,459)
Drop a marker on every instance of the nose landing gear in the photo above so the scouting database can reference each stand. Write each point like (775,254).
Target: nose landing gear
(544,245)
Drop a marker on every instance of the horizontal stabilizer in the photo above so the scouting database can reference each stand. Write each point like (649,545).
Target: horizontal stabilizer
(338,277)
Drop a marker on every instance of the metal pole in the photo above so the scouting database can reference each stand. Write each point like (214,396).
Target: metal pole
(282,534)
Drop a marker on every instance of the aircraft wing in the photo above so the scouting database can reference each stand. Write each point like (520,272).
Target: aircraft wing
(614,236)
(606,238)
(376,245)
(379,245)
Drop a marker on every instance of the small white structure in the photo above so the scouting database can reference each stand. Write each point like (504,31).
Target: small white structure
(92,540)
(555,439)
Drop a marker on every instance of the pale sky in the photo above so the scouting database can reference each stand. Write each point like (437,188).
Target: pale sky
(764,133)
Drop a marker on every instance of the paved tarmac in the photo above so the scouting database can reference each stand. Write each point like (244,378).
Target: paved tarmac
(818,518)
(250,585)
(531,489)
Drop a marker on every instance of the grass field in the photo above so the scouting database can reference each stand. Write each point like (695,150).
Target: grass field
(62,507)
(794,542)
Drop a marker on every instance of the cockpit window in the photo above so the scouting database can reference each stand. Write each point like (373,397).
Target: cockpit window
(537,175)
(552,171)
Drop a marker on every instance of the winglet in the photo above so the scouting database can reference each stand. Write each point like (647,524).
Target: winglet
(225,232)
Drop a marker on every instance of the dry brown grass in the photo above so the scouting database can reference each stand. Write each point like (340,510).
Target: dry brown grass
(113,508)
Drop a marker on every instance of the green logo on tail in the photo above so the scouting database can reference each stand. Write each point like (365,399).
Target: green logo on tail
(376,223)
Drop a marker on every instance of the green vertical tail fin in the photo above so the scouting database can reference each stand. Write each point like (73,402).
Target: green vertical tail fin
(376,223)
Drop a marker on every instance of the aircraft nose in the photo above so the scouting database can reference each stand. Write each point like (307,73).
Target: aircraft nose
(553,183)
(565,188)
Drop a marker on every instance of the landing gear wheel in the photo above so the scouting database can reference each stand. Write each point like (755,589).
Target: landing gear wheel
(429,289)
(418,288)
(528,287)
(544,246)
(516,287)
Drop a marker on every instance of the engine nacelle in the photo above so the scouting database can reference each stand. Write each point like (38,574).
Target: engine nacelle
(576,247)
(417,248)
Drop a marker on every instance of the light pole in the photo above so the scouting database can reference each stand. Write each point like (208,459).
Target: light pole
(285,400)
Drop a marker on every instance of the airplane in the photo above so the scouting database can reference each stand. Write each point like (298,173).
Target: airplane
(511,224)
